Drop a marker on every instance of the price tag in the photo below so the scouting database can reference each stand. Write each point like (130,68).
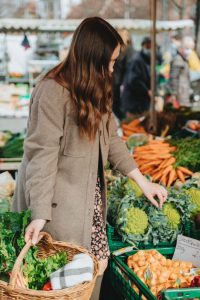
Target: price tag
(187,249)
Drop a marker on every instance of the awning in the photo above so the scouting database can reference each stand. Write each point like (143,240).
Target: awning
(53,25)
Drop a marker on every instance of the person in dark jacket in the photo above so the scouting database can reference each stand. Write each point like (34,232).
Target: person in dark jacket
(136,93)
(120,69)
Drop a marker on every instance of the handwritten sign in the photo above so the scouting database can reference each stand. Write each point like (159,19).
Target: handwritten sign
(187,249)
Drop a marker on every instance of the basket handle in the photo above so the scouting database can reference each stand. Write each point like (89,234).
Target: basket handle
(17,265)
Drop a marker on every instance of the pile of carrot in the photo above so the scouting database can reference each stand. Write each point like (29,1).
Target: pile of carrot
(131,128)
(156,159)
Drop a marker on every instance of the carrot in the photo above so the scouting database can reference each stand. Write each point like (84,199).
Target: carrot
(124,138)
(172,177)
(134,122)
(180,175)
(185,171)
(164,156)
(157,176)
(146,171)
(167,170)
(169,162)
(163,179)
(172,149)
(153,163)
(126,127)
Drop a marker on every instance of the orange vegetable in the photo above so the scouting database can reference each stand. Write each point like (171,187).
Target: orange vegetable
(169,162)
(185,171)
(172,177)
(180,175)
(167,170)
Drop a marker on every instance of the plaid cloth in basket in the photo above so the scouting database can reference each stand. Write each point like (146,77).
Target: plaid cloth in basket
(79,270)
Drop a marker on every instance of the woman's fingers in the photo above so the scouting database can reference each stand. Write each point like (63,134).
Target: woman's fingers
(152,200)
(33,231)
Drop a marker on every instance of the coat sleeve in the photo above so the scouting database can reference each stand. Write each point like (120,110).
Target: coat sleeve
(45,129)
(118,154)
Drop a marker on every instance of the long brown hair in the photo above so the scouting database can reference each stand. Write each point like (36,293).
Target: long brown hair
(85,72)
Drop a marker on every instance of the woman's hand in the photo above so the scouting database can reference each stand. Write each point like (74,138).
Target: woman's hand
(33,230)
(149,189)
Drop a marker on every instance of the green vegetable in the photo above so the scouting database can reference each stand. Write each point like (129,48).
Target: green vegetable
(35,270)
(194,194)
(12,228)
(187,153)
(14,147)
(137,221)
(135,187)
(172,215)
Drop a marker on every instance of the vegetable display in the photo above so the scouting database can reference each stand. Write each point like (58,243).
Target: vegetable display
(159,273)
(139,222)
(157,159)
(13,147)
(131,128)
(187,153)
(35,271)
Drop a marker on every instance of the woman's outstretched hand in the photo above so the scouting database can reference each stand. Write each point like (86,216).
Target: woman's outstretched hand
(149,189)
(33,230)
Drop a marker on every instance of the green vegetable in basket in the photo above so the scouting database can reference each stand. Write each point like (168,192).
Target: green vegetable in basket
(36,271)
(137,221)
(172,215)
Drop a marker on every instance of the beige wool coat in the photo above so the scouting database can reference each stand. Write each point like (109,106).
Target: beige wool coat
(58,173)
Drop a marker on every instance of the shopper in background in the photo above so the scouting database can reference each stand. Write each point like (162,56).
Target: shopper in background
(180,77)
(120,69)
(71,135)
(136,93)
(192,57)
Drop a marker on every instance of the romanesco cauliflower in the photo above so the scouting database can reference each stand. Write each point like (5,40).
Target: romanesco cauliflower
(195,197)
(137,221)
(135,187)
(172,215)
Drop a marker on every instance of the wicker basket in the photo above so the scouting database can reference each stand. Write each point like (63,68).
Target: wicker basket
(47,247)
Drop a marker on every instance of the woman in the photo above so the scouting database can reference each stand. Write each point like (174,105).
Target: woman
(71,134)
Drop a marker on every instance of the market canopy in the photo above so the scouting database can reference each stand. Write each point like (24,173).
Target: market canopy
(54,25)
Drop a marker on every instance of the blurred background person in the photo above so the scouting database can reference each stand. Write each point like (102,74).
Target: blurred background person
(120,70)
(180,77)
(192,57)
(136,93)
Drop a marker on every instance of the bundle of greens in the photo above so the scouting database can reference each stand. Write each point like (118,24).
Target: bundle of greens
(35,270)
(139,222)
(13,147)
(187,153)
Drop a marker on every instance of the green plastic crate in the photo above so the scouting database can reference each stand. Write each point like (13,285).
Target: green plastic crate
(115,241)
(176,294)
(122,277)
(195,233)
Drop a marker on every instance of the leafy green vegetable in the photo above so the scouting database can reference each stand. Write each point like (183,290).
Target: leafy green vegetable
(12,228)
(35,270)
(187,153)
(13,147)
(161,226)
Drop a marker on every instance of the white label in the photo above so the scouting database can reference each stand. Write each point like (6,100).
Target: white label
(187,249)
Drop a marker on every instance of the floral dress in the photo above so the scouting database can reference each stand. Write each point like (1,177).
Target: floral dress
(99,241)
